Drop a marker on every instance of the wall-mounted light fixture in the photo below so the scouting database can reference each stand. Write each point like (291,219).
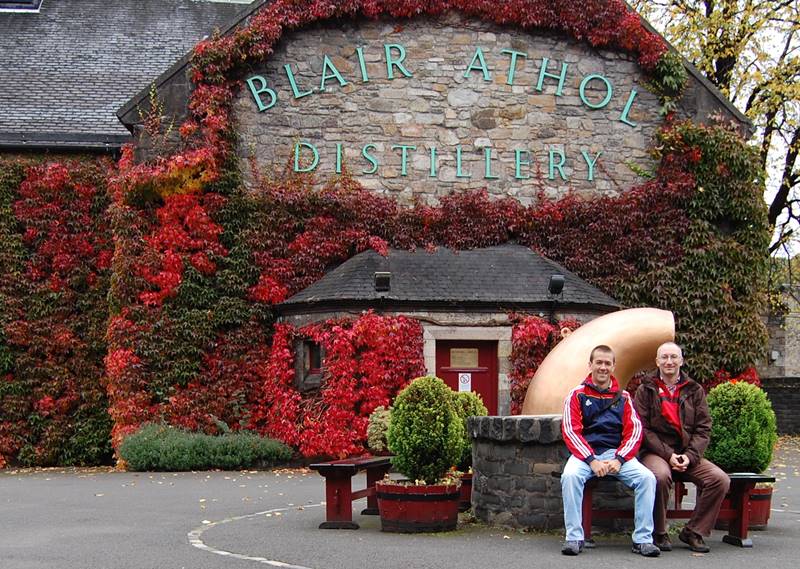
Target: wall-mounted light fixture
(555,287)
(382,281)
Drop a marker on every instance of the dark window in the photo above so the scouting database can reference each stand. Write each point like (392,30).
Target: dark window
(308,365)
(312,358)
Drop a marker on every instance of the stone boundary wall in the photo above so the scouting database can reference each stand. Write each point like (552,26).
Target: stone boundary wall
(513,459)
(784,394)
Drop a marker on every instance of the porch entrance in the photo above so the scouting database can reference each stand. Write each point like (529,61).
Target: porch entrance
(469,365)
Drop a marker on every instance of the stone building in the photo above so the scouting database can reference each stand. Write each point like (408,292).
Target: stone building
(414,111)
(434,106)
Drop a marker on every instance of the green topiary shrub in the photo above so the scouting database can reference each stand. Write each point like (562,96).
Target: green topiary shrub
(468,404)
(376,430)
(743,432)
(165,448)
(426,432)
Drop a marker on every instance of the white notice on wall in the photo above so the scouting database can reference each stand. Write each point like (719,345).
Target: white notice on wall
(465,382)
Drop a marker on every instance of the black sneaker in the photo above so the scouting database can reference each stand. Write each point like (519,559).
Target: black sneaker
(646,549)
(572,547)
(661,541)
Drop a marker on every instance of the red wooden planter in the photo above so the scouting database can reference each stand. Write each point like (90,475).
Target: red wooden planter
(416,509)
(760,509)
(465,501)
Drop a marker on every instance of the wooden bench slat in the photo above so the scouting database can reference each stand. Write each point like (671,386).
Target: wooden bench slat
(359,462)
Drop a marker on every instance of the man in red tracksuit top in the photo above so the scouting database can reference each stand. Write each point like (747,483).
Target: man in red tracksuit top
(603,433)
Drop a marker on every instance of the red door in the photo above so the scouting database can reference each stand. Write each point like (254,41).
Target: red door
(469,366)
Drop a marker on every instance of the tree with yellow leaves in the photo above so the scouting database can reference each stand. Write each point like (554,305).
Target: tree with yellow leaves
(750,50)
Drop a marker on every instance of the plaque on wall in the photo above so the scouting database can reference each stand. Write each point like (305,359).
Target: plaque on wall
(464,357)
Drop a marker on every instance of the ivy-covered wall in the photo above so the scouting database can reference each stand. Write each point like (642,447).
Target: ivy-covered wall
(55,260)
(199,261)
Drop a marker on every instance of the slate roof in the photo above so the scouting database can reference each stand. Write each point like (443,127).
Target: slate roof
(20,4)
(502,275)
(66,70)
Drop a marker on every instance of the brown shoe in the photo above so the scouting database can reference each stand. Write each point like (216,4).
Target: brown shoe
(661,541)
(693,540)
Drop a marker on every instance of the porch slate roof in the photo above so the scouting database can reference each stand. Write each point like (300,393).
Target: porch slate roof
(505,274)
(68,68)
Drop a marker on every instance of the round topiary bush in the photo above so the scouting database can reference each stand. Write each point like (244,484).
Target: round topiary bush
(425,433)
(468,404)
(743,432)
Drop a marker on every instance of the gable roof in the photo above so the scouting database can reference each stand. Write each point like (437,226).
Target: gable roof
(68,67)
(706,95)
(504,275)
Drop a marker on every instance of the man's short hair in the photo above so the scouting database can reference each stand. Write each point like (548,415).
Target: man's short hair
(602,348)
(680,349)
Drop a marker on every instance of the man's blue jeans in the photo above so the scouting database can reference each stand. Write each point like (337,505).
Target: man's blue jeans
(633,474)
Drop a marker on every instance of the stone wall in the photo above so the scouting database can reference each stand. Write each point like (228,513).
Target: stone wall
(784,394)
(792,335)
(436,106)
(513,459)
(774,365)
(783,351)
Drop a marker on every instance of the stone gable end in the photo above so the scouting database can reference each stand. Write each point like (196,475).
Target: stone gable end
(513,139)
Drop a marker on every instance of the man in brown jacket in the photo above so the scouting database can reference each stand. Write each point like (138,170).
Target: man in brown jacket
(677,427)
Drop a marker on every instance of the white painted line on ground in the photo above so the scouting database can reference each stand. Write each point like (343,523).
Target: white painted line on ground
(195,538)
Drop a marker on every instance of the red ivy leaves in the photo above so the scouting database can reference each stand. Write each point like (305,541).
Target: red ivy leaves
(367,361)
(225,390)
(532,338)
(59,225)
(57,217)
(750,375)
(184,228)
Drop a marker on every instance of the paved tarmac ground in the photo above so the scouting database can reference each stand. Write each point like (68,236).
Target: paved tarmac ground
(96,519)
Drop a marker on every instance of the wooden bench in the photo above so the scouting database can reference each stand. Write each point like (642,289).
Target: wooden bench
(339,493)
(738,514)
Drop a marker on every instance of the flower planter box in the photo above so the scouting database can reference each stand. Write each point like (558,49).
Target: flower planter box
(408,508)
